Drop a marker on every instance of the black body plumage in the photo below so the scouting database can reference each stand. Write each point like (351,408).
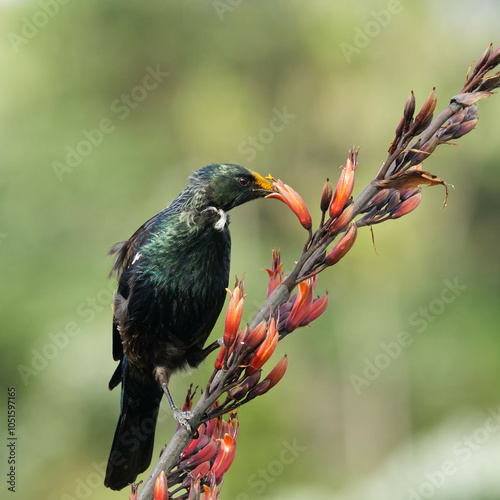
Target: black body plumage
(172,274)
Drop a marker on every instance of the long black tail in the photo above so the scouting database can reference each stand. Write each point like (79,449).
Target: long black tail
(132,446)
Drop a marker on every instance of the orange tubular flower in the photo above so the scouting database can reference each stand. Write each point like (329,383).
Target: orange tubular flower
(161,491)
(264,351)
(291,198)
(343,246)
(316,310)
(256,336)
(342,220)
(225,457)
(301,307)
(345,184)
(233,314)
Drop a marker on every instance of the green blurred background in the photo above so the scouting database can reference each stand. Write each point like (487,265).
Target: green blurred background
(340,72)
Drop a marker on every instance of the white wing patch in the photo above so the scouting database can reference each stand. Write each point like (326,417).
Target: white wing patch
(136,258)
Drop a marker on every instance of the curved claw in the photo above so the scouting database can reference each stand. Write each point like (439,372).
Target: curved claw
(183,417)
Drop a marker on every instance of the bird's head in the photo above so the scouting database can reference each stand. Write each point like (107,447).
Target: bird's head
(226,186)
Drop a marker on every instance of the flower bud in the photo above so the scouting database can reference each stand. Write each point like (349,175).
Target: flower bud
(234,313)
(343,246)
(277,373)
(301,307)
(161,490)
(275,274)
(326,196)
(255,337)
(345,184)
(406,206)
(424,117)
(342,220)
(316,310)
(264,351)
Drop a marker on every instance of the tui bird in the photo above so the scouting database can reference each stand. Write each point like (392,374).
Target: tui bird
(172,275)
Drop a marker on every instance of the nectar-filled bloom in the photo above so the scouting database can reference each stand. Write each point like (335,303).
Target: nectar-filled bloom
(345,184)
(343,246)
(291,198)
(161,491)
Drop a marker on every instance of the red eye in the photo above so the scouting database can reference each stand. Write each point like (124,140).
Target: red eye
(243,181)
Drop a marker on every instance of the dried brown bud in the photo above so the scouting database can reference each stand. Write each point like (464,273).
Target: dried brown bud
(424,117)
(464,128)
(425,151)
(482,60)
(490,82)
(276,374)
(409,110)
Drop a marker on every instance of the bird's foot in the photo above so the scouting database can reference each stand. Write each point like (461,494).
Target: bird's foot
(182,417)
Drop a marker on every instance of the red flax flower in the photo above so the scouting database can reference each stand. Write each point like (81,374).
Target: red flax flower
(343,246)
(161,491)
(317,308)
(345,184)
(275,274)
(265,349)
(301,307)
(291,198)
(342,220)
(275,375)
(304,308)
(233,314)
